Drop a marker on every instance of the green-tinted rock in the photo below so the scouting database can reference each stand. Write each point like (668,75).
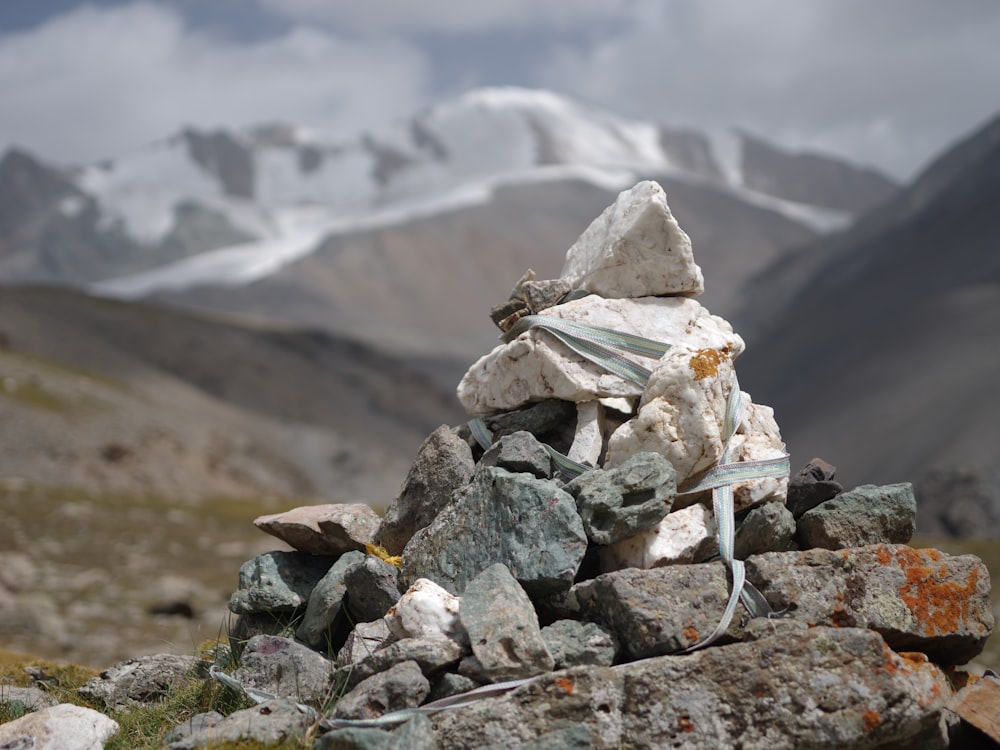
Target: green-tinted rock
(869,514)
(528,524)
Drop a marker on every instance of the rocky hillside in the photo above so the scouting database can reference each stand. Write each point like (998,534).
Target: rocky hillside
(879,346)
(111,395)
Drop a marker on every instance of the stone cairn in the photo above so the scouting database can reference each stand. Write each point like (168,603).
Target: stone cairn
(507,600)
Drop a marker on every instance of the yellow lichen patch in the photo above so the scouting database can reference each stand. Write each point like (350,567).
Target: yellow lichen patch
(383,554)
(705,363)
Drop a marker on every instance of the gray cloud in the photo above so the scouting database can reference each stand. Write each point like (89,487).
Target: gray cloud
(96,82)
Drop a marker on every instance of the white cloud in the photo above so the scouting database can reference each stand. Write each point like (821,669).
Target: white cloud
(96,82)
(887,83)
(449,16)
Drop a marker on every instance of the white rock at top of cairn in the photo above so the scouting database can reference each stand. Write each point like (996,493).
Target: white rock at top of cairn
(635,248)
(536,366)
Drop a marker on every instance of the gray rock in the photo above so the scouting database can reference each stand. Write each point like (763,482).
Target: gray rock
(196,725)
(326,601)
(60,727)
(503,627)
(869,514)
(363,641)
(822,688)
(812,485)
(269,723)
(372,587)
(449,684)
(286,669)
(770,527)
(442,464)
(278,582)
(30,698)
(659,611)
(623,501)
(519,452)
(432,655)
(416,733)
(919,600)
(401,686)
(528,524)
(137,681)
(573,643)
(552,421)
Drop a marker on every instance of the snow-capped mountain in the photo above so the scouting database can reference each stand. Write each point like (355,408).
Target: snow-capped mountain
(212,210)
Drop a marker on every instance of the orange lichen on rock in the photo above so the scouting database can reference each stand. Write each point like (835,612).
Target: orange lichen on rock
(565,684)
(705,363)
(939,606)
(685,724)
(691,634)
(872,719)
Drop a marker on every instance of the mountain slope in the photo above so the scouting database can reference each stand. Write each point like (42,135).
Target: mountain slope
(106,395)
(883,358)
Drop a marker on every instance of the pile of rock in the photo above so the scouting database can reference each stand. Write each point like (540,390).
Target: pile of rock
(595,593)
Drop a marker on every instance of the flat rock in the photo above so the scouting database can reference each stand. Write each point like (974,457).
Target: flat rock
(442,464)
(330,529)
(136,681)
(432,655)
(635,248)
(401,686)
(658,611)
(268,723)
(60,727)
(623,501)
(326,600)
(534,365)
(821,688)
(528,524)
(278,582)
(416,732)
(919,600)
(683,536)
(286,669)
(503,627)
(869,514)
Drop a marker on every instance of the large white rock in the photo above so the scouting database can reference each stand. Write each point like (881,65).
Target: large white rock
(635,248)
(61,727)
(683,536)
(426,610)
(682,417)
(682,412)
(536,366)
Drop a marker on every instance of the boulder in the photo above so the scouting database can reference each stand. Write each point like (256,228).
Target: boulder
(769,527)
(635,248)
(426,610)
(812,485)
(400,686)
(503,627)
(331,529)
(278,582)
(60,727)
(431,655)
(684,536)
(519,452)
(137,681)
(573,643)
(868,514)
(919,600)
(372,588)
(825,688)
(268,723)
(286,669)
(442,464)
(623,501)
(528,524)
(326,601)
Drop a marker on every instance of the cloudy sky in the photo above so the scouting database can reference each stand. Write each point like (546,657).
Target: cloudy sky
(887,83)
